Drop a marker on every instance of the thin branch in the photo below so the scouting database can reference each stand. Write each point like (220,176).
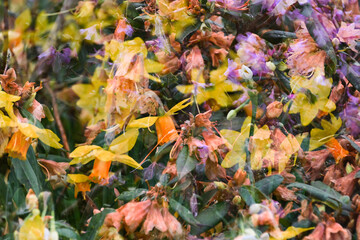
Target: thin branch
(57,116)
(6,36)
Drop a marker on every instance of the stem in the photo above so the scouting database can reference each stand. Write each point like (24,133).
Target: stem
(57,117)
(6,36)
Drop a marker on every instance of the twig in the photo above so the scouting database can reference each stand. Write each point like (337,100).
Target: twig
(6,36)
(57,117)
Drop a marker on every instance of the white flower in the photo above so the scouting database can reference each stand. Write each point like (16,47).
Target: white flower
(245,73)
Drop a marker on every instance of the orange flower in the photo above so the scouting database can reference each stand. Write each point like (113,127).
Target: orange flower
(82,187)
(165,129)
(18,146)
(100,170)
(336,149)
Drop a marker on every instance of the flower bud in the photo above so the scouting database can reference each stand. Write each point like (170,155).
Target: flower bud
(270,65)
(245,73)
(254,208)
(274,109)
(220,185)
(231,114)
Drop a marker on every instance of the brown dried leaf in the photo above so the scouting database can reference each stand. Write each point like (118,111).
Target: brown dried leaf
(285,194)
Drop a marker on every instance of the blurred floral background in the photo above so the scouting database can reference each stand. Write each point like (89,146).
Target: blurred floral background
(179,119)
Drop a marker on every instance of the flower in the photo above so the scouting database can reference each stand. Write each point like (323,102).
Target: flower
(217,89)
(165,126)
(100,170)
(304,55)
(81,182)
(18,146)
(336,149)
(311,96)
(103,158)
(165,130)
(351,114)
(251,50)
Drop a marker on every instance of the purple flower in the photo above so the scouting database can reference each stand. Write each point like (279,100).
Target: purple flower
(252,50)
(51,54)
(351,115)
(232,72)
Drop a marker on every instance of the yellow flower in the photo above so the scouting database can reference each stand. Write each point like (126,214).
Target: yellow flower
(33,228)
(20,142)
(18,146)
(311,96)
(92,98)
(81,182)
(103,158)
(165,127)
(218,88)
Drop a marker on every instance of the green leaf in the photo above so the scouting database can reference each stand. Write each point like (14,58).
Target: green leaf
(357,175)
(210,217)
(325,194)
(188,31)
(276,36)
(28,172)
(66,231)
(95,223)
(131,194)
(3,189)
(269,184)
(251,195)
(185,163)
(183,212)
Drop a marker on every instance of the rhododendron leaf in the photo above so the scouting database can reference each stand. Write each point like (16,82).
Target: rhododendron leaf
(125,142)
(95,223)
(269,184)
(145,122)
(83,150)
(319,137)
(128,161)
(183,212)
(209,217)
(185,163)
